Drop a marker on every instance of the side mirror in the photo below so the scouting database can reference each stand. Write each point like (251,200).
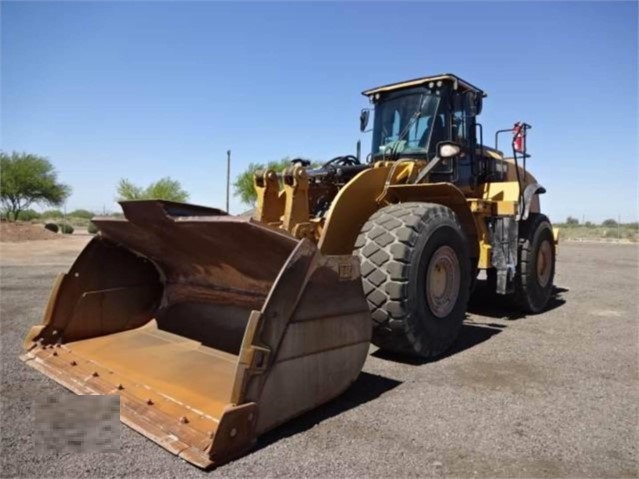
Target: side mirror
(473,103)
(363,119)
(447,149)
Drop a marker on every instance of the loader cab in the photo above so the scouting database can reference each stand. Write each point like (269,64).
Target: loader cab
(411,118)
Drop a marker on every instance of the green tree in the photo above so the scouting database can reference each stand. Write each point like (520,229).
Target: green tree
(27,179)
(243,185)
(572,221)
(164,189)
(609,223)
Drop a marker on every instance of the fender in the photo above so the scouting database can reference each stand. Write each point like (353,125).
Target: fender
(360,198)
(445,194)
(531,190)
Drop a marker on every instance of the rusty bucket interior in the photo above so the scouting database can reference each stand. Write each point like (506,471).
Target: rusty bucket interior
(212,328)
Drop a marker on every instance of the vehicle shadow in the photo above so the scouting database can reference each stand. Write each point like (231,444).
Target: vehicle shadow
(470,335)
(365,388)
(485,302)
(368,386)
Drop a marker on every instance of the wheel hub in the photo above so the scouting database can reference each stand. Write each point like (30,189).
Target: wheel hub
(442,281)
(544,263)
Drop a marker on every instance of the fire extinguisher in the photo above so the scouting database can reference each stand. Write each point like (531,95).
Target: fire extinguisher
(519,137)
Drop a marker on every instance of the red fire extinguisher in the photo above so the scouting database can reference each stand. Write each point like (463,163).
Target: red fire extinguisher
(518,137)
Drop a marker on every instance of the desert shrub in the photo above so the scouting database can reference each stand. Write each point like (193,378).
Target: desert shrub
(65,228)
(609,223)
(93,229)
(25,215)
(86,214)
(28,215)
(52,214)
(51,227)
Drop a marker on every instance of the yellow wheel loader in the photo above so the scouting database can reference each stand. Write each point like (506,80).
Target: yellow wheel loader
(214,328)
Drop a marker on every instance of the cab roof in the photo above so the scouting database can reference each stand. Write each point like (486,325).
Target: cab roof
(458,84)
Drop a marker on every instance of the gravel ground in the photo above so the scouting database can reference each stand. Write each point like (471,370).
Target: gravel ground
(551,395)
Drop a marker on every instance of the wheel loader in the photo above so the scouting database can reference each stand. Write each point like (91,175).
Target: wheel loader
(214,329)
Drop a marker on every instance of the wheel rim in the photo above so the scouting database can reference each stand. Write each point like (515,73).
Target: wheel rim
(544,263)
(442,281)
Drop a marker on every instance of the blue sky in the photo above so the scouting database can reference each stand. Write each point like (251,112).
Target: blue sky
(145,90)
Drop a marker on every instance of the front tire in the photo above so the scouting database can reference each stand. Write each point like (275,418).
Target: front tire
(416,276)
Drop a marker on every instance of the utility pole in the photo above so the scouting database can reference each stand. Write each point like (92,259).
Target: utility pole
(228,178)
(618,226)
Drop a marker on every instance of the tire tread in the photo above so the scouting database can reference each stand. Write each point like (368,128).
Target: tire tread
(402,223)
(524,289)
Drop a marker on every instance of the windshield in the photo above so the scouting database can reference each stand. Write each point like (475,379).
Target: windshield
(408,124)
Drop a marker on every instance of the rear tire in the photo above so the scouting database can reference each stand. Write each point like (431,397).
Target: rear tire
(416,276)
(535,265)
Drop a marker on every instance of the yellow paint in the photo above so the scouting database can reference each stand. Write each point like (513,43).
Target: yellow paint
(480,206)
(296,199)
(499,191)
(270,200)
(505,208)
(483,241)
(555,234)
(350,209)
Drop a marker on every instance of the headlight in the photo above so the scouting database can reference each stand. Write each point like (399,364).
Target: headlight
(448,150)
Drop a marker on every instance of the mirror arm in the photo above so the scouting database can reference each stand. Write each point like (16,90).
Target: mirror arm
(429,167)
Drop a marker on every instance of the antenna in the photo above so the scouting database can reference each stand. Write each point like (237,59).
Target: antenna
(228,177)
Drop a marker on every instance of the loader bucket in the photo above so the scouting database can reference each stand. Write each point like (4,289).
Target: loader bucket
(211,328)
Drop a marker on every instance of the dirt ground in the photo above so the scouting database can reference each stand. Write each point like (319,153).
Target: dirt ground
(24,232)
(551,395)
